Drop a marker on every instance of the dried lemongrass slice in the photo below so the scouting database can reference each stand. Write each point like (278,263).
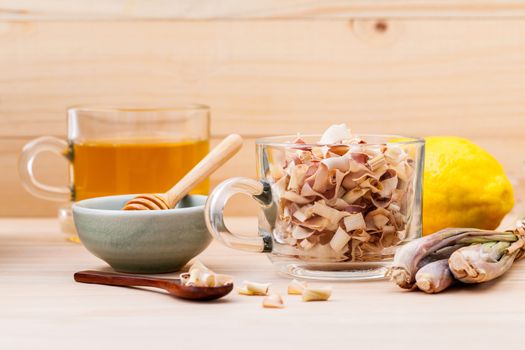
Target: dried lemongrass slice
(279,187)
(296,287)
(348,183)
(333,215)
(354,222)
(296,198)
(335,134)
(321,179)
(337,203)
(299,232)
(340,150)
(403,170)
(385,216)
(273,301)
(377,162)
(354,194)
(297,176)
(339,240)
(340,163)
(306,244)
(394,207)
(361,236)
(395,154)
(276,171)
(303,213)
(380,221)
(303,155)
(317,293)
(318,223)
(254,288)
(319,152)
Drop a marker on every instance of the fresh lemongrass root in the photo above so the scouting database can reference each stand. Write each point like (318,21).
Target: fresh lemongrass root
(434,277)
(408,259)
(481,262)
(434,262)
(296,287)
(273,301)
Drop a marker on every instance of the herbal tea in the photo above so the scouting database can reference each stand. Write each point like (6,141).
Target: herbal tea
(107,167)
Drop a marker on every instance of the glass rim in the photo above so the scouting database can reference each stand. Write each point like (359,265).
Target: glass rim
(138,108)
(279,140)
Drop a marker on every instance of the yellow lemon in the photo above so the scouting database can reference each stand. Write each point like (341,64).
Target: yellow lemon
(463,186)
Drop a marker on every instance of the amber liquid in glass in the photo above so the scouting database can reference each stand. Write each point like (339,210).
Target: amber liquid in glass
(108,167)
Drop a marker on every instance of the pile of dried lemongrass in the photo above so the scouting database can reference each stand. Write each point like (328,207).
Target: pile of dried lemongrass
(464,255)
(342,198)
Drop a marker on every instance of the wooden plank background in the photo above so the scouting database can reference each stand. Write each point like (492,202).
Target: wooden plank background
(256,9)
(265,67)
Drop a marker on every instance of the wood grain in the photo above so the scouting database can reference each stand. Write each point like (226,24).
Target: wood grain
(260,9)
(41,304)
(408,76)
(418,77)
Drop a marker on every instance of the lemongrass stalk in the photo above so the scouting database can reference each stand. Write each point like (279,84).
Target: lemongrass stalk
(434,277)
(408,258)
(481,262)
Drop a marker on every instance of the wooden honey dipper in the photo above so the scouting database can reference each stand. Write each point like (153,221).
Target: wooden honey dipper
(213,160)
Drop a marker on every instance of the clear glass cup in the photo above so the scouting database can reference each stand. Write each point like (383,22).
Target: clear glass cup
(329,212)
(114,150)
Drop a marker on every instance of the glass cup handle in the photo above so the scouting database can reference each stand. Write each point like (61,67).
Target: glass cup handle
(214,213)
(25,168)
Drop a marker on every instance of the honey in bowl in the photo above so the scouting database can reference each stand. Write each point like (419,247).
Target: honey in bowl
(108,167)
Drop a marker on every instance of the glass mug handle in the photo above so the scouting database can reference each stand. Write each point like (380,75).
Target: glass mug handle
(214,213)
(25,168)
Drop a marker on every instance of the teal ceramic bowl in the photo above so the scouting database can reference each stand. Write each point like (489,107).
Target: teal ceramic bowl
(143,241)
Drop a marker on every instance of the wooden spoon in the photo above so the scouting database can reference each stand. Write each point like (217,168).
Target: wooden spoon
(171,285)
(217,157)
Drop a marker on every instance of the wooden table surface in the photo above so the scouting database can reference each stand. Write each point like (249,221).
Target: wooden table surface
(41,307)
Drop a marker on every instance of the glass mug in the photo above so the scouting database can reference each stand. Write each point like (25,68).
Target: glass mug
(333,212)
(121,150)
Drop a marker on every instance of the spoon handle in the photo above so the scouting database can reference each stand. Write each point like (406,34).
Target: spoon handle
(117,279)
(213,160)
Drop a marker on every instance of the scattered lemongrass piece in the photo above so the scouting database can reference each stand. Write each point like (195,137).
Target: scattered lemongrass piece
(222,279)
(244,291)
(317,293)
(273,301)
(254,288)
(201,276)
(296,287)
